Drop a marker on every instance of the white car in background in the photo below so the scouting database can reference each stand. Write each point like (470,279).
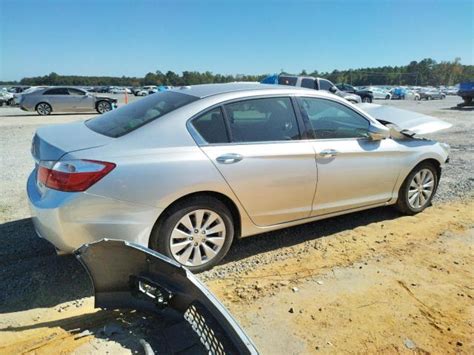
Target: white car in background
(117,90)
(379,93)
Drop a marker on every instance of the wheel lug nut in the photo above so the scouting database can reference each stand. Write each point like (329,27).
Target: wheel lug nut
(195,244)
(203,232)
(190,238)
(196,231)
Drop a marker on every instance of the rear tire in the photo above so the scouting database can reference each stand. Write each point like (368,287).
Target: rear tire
(103,107)
(418,189)
(194,243)
(367,99)
(387,97)
(43,109)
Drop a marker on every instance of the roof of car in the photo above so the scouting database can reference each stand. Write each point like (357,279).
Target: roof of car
(206,90)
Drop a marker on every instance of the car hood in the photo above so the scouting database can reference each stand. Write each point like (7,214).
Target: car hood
(405,120)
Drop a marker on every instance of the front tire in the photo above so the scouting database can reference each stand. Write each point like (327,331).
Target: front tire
(103,107)
(418,189)
(367,99)
(43,109)
(197,233)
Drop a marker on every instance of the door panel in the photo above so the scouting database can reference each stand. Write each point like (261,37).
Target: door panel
(359,172)
(275,182)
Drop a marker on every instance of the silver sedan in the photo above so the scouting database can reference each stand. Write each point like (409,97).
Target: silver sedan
(64,99)
(189,170)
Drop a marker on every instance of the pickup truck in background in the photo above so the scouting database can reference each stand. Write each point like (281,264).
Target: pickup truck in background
(466,91)
(310,82)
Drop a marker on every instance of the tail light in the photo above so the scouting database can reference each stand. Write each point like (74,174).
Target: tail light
(72,175)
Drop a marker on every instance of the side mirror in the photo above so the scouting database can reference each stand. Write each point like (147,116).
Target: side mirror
(377,133)
(333,89)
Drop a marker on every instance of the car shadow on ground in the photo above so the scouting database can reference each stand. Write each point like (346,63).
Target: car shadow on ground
(32,275)
(166,332)
(460,108)
(287,237)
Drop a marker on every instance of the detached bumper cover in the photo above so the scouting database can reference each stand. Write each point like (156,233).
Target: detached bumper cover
(126,275)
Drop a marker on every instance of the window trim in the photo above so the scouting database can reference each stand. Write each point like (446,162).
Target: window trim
(309,128)
(202,142)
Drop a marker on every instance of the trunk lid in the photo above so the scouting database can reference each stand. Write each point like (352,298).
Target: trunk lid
(52,142)
(405,120)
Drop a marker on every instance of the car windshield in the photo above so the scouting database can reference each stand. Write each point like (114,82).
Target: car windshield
(119,122)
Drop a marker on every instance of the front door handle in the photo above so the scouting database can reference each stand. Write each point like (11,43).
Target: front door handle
(229,158)
(328,153)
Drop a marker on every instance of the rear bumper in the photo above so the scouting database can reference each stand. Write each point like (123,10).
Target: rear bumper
(69,220)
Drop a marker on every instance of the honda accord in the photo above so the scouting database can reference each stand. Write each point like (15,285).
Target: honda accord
(189,170)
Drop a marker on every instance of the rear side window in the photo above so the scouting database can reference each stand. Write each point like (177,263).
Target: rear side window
(262,120)
(287,80)
(211,126)
(56,91)
(119,122)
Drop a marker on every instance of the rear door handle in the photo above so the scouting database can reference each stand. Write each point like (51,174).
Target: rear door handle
(229,158)
(328,153)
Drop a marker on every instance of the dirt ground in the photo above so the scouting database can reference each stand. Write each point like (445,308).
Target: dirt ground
(368,282)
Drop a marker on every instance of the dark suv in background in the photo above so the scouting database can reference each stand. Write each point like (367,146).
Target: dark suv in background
(365,95)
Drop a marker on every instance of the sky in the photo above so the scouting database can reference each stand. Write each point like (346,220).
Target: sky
(134,37)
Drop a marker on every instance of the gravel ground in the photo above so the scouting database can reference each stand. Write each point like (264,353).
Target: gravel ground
(31,274)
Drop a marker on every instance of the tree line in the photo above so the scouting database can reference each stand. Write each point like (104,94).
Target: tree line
(423,73)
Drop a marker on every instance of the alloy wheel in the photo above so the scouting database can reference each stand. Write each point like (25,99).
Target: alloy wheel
(197,237)
(43,109)
(421,188)
(103,107)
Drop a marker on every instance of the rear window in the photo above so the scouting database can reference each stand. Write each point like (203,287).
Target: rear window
(119,122)
(287,80)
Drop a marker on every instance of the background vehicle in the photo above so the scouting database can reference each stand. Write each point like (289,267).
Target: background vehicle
(379,93)
(398,93)
(365,95)
(310,82)
(431,94)
(466,91)
(6,97)
(117,90)
(65,99)
(186,171)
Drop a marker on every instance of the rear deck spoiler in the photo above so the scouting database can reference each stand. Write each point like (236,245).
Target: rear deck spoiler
(128,276)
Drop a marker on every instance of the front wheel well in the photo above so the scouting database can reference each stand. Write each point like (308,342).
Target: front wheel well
(433,162)
(218,196)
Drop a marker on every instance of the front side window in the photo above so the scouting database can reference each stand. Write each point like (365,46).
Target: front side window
(211,126)
(262,120)
(119,122)
(325,85)
(329,119)
(307,83)
(56,91)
